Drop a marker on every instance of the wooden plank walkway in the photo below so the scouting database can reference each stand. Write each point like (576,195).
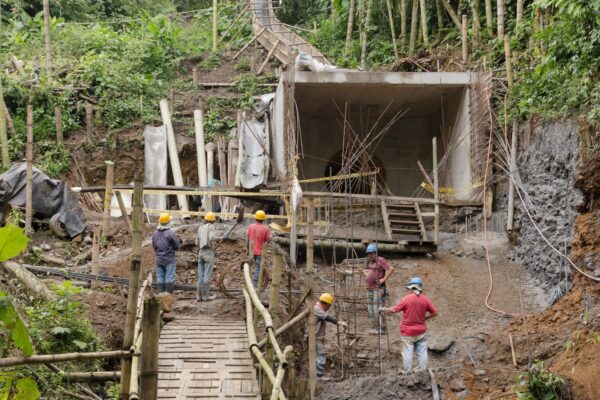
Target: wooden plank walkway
(205,358)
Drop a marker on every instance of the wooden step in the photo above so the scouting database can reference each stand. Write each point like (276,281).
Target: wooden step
(401,222)
(402,206)
(407,231)
(402,215)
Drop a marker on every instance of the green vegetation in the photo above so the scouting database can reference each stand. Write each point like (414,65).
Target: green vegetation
(538,383)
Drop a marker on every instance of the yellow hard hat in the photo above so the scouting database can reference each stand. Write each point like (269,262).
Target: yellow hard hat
(164,218)
(326,298)
(260,215)
(210,217)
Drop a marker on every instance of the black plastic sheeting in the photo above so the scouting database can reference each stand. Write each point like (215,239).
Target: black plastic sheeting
(50,196)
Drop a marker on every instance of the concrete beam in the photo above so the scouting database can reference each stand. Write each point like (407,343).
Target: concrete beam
(383,78)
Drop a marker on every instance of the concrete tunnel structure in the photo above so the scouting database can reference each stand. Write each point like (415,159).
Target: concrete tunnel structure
(448,105)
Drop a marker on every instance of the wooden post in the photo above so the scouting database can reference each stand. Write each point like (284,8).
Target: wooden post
(171,101)
(200,152)
(108,192)
(413,27)
(273,304)
(511,184)
(312,342)
(195,76)
(96,251)
(436,193)
(214,26)
(29,157)
(349,26)
(500,19)
(489,19)
(507,55)
(267,58)
(46,7)
(5,113)
(89,122)
(519,17)
(151,333)
(464,40)
(134,282)
(4,139)
(403,22)
(291,376)
(423,9)
(124,216)
(392,30)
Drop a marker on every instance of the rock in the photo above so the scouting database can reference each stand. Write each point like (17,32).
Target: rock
(36,249)
(77,239)
(88,239)
(462,394)
(439,344)
(45,247)
(480,372)
(457,385)
(597,272)
(167,301)
(168,317)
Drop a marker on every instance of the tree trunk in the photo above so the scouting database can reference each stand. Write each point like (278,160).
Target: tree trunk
(464,39)
(350,26)
(214,26)
(413,27)
(452,14)
(424,23)
(29,158)
(5,113)
(476,24)
(4,142)
(440,15)
(363,50)
(489,20)
(403,22)
(29,280)
(58,123)
(519,15)
(47,42)
(500,10)
(392,30)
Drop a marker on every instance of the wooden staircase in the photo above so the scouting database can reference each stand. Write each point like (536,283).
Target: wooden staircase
(403,219)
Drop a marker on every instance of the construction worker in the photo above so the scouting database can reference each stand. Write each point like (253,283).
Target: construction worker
(376,274)
(416,309)
(165,243)
(258,235)
(321,317)
(206,256)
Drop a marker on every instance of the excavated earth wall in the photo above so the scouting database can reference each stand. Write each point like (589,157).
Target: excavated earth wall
(548,159)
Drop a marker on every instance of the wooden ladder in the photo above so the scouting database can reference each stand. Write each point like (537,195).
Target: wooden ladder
(403,219)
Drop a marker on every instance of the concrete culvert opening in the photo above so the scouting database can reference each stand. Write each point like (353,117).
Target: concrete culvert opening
(391,118)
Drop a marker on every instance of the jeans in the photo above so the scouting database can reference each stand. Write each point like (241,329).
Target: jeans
(419,343)
(206,264)
(375,300)
(257,260)
(165,273)
(321,358)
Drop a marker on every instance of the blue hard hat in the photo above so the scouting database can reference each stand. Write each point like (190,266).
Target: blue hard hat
(415,281)
(372,248)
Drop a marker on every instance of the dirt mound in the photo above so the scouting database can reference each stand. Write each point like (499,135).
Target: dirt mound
(106,312)
(394,386)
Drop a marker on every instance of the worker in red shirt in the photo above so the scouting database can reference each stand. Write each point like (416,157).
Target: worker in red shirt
(416,308)
(376,274)
(258,235)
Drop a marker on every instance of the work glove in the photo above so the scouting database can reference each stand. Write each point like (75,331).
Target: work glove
(381,310)
(342,324)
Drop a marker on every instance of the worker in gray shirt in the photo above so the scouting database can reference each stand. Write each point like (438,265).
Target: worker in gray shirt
(206,257)
(321,318)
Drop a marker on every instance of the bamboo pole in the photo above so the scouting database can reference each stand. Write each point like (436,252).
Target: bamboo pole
(252,341)
(89,122)
(489,19)
(500,18)
(507,55)
(312,342)
(440,16)
(108,192)
(29,184)
(95,376)
(413,27)
(451,13)
(363,45)
(268,57)
(436,193)
(151,332)
(200,152)
(96,250)
(476,23)
(349,26)
(249,43)
(124,215)
(52,358)
(47,42)
(273,304)
(58,123)
(3,135)
(29,280)
(464,39)
(280,374)
(286,326)
(4,114)
(134,383)
(403,22)
(134,283)
(392,30)
(511,183)
(423,9)
(519,18)
(214,26)
(195,76)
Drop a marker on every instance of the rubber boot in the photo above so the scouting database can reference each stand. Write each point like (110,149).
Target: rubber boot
(161,287)
(170,288)
(199,293)
(206,293)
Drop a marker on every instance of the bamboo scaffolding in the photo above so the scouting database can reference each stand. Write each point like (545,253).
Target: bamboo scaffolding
(53,358)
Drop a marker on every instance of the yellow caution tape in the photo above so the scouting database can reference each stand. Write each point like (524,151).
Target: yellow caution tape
(339,177)
(450,190)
